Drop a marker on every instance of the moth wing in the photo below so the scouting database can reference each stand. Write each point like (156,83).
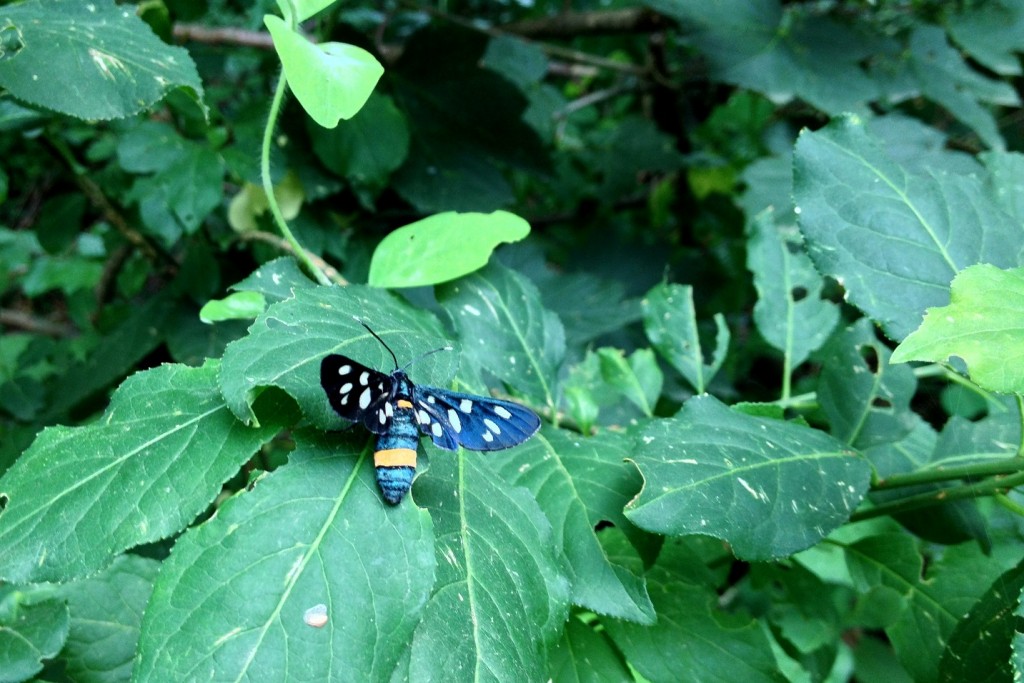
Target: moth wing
(475,422)
(357,393)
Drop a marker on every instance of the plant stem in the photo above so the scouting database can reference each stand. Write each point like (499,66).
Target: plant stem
(1020,416)
(988,487)
(268,186)
(1004,466)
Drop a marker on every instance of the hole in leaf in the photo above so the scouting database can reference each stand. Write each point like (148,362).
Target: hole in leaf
(879,402)
(794,247)
(798,293)
(4,498)
(11,42)
(870,356)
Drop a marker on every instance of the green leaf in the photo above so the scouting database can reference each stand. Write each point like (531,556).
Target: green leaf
(236,306)
(579,483)
(670,321)
(506,331)
(768,488)
(240,595)
(638,378)
(935,600)
(286,344)
(585,653)
(790,313)
(866,399)
(332,81)
(983,325)
(981,642)
(501,592)
(992,33)
(106,613)
(154,461)
(369,148)
(31,630)
(785,53)
(304,8)
(943,75)
(442,247)
(97,59)
(276,280)
(695,639)
(893,236)
(456,139)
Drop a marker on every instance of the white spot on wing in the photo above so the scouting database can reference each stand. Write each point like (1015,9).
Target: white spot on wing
(422,417)
(344,369)
(364,379)
(488,437)
(465,405)
(492,426)
(453,418)
(502,412)
(388,409)
(381,417)
(364,398)
(346,387)
(435,429)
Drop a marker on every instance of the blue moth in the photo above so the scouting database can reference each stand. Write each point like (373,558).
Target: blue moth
(396,410)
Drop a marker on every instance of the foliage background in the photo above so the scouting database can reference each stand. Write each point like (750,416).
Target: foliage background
(745,204)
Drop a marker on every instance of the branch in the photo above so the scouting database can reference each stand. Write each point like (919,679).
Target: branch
(30,323)
(602,22)
(283,244)
(194,33)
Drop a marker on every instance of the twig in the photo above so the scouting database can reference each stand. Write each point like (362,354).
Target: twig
(599,22)
(283,244)
(30,323)
(222,36)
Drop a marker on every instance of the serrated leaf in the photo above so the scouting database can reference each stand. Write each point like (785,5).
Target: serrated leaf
(100,60)
(30,632)
(285,346)
(585,653)
(670,321)
(981,641)
(502,594)
(506,331)
(790,313)
(106,613)
(156,459)
(768,488)
(783,52)
(235,306)
(936,599)
(983,325)
(579,483)
(276,280)
(893,236)
(442,247)
(309,576)
(864,397)
(332,81)
(992,33)
(638,377)
(694,638)
(943,75)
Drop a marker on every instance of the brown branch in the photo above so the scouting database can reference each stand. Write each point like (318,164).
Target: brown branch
(30,323)
(601,22)
(282,244)
(194,33)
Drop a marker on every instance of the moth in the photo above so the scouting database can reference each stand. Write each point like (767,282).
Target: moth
(397,411)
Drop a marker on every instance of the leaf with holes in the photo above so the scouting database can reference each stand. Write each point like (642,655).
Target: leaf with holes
(894,236)
(790,313)
(768,488)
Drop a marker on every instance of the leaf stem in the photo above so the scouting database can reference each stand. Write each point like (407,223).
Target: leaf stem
(940,474)
(1020,416)
(268,187)
(988,487)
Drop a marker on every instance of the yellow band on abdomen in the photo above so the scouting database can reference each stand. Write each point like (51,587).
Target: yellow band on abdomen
(395,457)
(402,403)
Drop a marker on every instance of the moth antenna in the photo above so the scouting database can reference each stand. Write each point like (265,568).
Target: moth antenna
(382,342)
(424,355)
